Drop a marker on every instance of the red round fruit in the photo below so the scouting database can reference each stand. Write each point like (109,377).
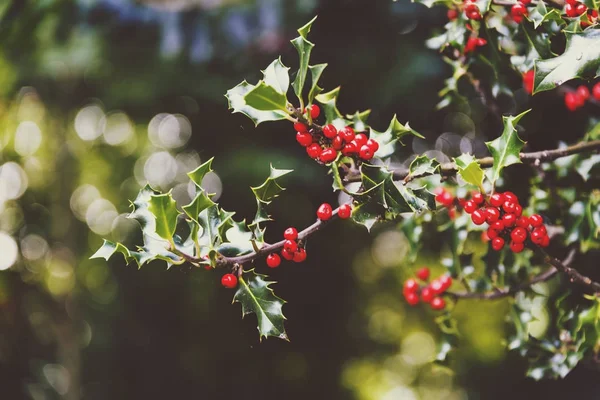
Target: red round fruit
(314,109)
(523,222)
(518,235)
(528,78)
(583,92)
(345,211)
(537,235)
(572,2)
(290,245)
(366,153)
(477,197)
(580,9)
(373,144)
(360,140)
(314,150)
(290,233)
(452,14)
(497,243)
(287,254)
(436,287)
(509,220)
(412,298)
(328,155)
(410,286)
(478,217)
(324,212)
(596,91)
(300,127)
(299,255)
(497,199)
(329,131)
(349,149)
(347,133)
(273,260)
(518,210)
(498,225)
(545,242)
(427,294)
(571,99)
(536,220)
(337,143)
(570,10)
(492,215)
(491,233)
(518,10)
(516,247)
(304,138)
(423,273)
(470,206)
(445,198)
(438,303)
(510,196)
(230,281)
(509,206)
(446,281)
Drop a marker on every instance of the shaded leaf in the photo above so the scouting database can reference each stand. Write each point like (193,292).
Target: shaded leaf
(388,138)
(423,165)
(315,74)
(328,101)
(304,47)
(276,76)
(266,192)
(108,249)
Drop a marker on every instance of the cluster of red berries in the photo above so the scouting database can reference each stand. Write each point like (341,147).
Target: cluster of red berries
(576,99)
(591,18)
(574,8)
(325,144)
(473,43)
(472,10)
(430,293)
(519,10)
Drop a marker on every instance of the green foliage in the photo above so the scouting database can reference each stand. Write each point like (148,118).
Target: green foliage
(237,102)
(265,193)
(388,138)
(304,48)
(469,170)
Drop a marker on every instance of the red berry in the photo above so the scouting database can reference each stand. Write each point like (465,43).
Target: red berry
(347,133)
(517,18)
(571,99)
(509,207)
(230,281)
(536,220)
(492,215)
(452,14)
(329,131)
(445,198)
(545,242)
(537,235)
(516,247)
(510,196)
(438,303)
(349,149)
(570,10)
(427,294)
(273,260)
(470,206)
(287,254)
(373,144)
(304,138)
(446,281)
(290,233)
(498,225)
(436,287)
(337,143)
(345,211)
(518,210)
(472,11)
(471,45)
(491,233)
(528,78)
(497,199)
(410,286)
(523,222)
(477,197)
(580,9)
(300,127)
(314,109)
(478,217)
(412,298)
(366,153)
(497,243)
(324,212)
(518,235)
(583,92)
(290,245)
(314,150)
(596,91)
(509,220)
(360,140)
(519,10)
(328,155)
(572,2)
(299,255)
(423,273)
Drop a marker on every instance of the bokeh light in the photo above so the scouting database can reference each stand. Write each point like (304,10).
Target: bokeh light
(8,250)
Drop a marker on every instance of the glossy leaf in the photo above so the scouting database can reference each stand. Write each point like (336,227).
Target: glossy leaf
(199,173)
(266,192)
(388,138)
(470,170)
(304,48)
(276,75)
(237,103)
(164,209)
(423,165)
(266,98)
(328,101)
(255,296)
(315,74)
(108,249)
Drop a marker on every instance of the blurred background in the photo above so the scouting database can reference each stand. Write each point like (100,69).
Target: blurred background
(99,97)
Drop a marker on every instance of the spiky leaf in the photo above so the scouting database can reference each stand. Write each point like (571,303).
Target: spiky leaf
(328,101)
(266,98)
(266,192)
(108,249)
(470,170)
(423,165)
(199,173)
(388,138)
(237,103)
(304,47)
(164,209)
(276,75)
(315,75)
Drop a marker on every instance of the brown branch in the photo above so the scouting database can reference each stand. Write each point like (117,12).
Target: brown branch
(574,275)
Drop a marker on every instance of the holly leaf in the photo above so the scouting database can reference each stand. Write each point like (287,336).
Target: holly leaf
(266,98)
(276,75)
(266,192)
(199,173)
(388,138)
(200,202)
(359,120)
(164,209)
(236,98)
(304,47)
(328,101)
(423,165)
(315,74)
(505,149)
(540,14)
(585,165)
(141,213)
(469,170)
(108,249)
(255,296)
(581,59)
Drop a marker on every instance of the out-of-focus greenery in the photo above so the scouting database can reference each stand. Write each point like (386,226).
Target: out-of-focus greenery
(99,97)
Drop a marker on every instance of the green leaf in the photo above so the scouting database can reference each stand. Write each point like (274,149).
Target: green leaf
(266,192)
(469,170)
(388,138)
(540,14)
(581,59)
(199,173)
(304,47)
(266,98)
(277,76)
(109,248)
(505,149)
(328,101)
(255,296)
(423,165)
(200,202)
(237,103)
(315,74)
(141,213)
(585,165)
(359,120)
(165,211)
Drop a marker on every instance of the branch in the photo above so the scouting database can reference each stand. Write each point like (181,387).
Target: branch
(535,158)
(509,291)
(573,274)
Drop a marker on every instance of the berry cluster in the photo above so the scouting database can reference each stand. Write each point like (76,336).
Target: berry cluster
(326,143)
(574,8)
(576,99)
(473,43)
(430,293)
(519,10)
(472,10)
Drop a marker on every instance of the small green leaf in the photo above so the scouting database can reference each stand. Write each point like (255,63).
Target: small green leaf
(266,98)
(423,165)
(315,75)
(304,47)
(581,59)
(359,120)
(388,138)
(255,296)
(266,192)
(199,173)
(165,211)
(328,101)
(585,166)
(277,76)
(469,170)
(505,149)
(140,211)
(200,202)
(237,103)
(540,14)
(109,248)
